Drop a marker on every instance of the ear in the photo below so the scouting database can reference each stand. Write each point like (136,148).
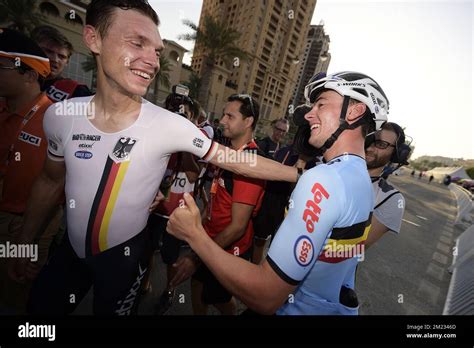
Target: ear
(92,39)
(355,112)
(249,121)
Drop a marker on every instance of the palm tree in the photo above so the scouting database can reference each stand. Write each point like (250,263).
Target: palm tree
(194,85)
(18,15)
(217,41)
(90,65)
(162,77)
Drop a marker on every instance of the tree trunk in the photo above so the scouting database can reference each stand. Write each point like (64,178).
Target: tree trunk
(206,75)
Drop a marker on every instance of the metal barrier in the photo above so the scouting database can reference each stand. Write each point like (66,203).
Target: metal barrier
(460,299)
(464,202)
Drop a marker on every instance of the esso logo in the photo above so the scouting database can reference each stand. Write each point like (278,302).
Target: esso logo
(304,251)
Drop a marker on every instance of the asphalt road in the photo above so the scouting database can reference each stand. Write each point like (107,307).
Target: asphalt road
(407,273)
(401,274)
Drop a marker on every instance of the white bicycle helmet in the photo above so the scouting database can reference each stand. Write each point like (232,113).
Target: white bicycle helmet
(354,85)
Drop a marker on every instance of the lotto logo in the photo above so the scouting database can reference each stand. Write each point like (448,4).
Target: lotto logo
(313,210)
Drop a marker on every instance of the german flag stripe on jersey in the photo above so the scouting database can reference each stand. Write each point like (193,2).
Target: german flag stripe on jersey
(345,243)
(103,206)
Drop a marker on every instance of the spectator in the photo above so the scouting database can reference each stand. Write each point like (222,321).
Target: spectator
(270,145)
(234,200)
(22,152)
(59,50)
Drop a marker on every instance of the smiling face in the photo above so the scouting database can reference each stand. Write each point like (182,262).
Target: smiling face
(128,54)
(323,118)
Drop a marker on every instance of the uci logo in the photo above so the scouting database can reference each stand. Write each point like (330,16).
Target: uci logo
(312,211)
(56,94)
(30,139)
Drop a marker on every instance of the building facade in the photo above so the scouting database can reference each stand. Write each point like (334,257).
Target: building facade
(273,34)
(316,59)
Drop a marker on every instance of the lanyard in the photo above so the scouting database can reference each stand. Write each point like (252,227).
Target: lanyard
(26,118)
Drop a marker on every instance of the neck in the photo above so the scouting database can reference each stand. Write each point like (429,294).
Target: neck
(112,102)
(374,172)
(274,140)
(348,142)
(240,141)
(18,102)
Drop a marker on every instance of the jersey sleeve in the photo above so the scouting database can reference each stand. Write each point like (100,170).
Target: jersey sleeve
(247,190)
(314,209)
(184,136)
(57,128)
(390,213)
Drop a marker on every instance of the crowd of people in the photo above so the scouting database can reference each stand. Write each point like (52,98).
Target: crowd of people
(103,191)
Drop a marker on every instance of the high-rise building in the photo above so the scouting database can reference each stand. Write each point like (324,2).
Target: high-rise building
(273,34)
(316,59)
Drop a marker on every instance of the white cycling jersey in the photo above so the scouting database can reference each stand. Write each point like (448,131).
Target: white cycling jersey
(112,178)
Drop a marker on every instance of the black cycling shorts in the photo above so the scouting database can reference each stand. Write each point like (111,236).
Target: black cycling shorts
(170,246)
(116,275)
(212,291)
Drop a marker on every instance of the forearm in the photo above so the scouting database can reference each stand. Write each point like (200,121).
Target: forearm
(43,200)
(242,278)
(253,166)
(229,235)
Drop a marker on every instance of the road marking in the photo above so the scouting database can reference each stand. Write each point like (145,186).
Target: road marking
(421,217)
(444,239)
(411,223)
(442,259)
(435,271)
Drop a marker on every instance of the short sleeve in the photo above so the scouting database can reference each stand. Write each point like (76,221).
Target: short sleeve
(313,211)
(390,213)
(184,136)
(247,190)
(57,128)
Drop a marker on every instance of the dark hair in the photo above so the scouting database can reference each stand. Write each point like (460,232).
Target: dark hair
(393,127)
(47,33)
(175,101)
(99,12)
(248,108)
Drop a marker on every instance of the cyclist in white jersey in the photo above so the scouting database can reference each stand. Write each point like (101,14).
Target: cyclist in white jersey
(315,251)
(110,151)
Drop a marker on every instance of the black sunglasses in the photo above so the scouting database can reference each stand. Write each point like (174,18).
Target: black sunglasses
(245,96)
(381,144)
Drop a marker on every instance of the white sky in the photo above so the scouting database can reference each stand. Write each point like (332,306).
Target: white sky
(419,51)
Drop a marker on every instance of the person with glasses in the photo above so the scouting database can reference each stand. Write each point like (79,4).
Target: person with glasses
(270,145)
(59,50)
(111,159)
(383,148)
(23,143)
(228,221)
(330,209)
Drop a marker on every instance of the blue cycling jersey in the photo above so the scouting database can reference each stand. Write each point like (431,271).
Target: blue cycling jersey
(318,245)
